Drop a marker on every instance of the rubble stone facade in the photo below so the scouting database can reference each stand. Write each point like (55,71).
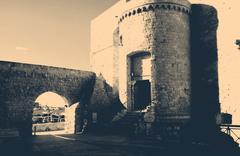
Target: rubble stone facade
(151,43)
(21,84)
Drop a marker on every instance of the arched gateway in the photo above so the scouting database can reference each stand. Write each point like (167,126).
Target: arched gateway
(21,84)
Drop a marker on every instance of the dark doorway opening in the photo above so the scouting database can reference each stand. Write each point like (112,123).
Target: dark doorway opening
(141,94)
(139,80)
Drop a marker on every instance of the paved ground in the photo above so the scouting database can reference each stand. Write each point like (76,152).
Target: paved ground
(80,145)
(92,145)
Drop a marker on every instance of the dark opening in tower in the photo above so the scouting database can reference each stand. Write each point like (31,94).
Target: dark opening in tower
(139,81)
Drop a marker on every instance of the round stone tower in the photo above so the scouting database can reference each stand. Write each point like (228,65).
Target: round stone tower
(154,60)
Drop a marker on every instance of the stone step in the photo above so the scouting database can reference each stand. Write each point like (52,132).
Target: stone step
(132,117)
(127,124)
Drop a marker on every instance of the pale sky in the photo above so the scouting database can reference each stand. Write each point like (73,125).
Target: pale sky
(52,99)
(57,33)
(49,32)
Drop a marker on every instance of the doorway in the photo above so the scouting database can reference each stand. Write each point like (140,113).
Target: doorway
(139,81)
(141,94)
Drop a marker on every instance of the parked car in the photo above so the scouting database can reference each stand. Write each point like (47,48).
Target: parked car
(61,118)
(46,118)
(37,118)
(54,118)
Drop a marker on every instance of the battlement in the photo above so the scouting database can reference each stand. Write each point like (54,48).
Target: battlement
(155,7)
(128,5)
(181,2)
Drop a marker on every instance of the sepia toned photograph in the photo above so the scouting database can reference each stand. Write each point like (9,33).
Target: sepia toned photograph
(119,78)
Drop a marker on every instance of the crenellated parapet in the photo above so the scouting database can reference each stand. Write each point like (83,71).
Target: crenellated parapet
(159,6)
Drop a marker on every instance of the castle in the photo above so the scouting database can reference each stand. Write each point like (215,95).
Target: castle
(156,57)
(160,56)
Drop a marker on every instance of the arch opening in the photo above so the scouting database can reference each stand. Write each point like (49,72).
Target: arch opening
(139,80)
(48,115)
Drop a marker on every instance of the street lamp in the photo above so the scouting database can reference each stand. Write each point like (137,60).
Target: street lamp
(238,43)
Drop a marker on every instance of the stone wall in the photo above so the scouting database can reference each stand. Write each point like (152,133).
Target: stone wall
(163,29)
(43,127)
(181,40)
(73,119)
(21,84)
(104,101)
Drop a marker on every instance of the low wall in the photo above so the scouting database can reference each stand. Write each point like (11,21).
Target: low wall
(49,127)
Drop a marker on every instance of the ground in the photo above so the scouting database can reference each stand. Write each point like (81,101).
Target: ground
(81,145)
(92,145)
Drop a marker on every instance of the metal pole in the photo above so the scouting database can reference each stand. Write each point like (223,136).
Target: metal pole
(228,130)
(34,130)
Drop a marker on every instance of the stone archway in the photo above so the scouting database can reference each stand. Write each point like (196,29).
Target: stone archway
(26,82)
(21,84)
(49,114)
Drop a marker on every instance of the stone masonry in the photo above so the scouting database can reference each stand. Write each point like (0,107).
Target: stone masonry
(22,83)
(153,56)
(160,42)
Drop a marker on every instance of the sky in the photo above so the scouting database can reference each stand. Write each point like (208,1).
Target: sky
(57,33)
(48,32)
(52,99)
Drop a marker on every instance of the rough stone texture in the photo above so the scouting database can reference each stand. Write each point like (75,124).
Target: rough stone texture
(73,119)
(204,60)
(184,82)
(104,101)
(21,84)
(163,30)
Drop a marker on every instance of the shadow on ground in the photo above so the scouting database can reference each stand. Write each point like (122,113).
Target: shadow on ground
(90,145)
